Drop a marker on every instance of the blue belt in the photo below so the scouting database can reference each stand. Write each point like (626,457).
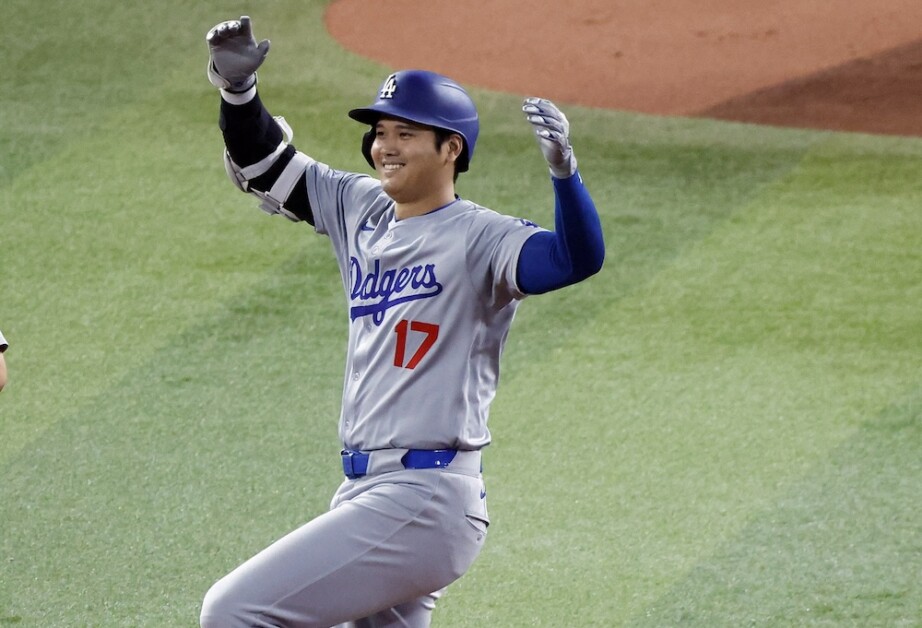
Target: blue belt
(355,463)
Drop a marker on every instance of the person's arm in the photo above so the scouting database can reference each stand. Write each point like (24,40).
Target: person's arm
(3,347)
(259,157)
(575,250)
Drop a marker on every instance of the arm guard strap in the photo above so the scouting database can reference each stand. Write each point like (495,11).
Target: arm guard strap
(260,159)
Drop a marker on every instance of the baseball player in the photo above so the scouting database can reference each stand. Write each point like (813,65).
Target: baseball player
(3,348)
(432,282)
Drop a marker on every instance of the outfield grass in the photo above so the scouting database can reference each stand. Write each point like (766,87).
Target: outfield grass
(723,428)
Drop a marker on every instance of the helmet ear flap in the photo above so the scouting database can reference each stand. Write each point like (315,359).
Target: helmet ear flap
(367,140)
(464,161)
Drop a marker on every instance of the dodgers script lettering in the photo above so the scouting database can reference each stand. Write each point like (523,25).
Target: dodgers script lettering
(375,290)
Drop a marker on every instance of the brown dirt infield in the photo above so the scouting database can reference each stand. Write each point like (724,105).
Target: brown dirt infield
(849,65)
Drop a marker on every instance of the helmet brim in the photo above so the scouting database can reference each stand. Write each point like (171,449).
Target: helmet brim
(365,115)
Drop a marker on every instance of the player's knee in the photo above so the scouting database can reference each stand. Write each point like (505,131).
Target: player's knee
(222,608)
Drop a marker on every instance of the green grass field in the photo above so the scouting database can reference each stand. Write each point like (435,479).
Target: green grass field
(722,428)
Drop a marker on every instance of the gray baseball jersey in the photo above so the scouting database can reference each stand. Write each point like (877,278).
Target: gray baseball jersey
(431,299)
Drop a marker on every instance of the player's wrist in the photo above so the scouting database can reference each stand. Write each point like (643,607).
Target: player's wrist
(568,184)
(239,98)
(564,170)
(241,86)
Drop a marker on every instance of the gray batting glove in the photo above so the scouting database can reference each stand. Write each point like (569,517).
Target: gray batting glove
(552,129)
(234,55)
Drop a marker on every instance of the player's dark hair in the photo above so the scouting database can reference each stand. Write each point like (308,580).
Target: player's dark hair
(441,136)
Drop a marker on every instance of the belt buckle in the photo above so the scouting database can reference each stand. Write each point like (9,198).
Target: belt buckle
(350,468)
(428,458)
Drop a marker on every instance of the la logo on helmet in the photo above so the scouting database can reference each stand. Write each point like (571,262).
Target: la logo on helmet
(389,87)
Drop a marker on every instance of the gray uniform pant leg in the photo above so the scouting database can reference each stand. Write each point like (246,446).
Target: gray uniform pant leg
(413,614)
(375,558)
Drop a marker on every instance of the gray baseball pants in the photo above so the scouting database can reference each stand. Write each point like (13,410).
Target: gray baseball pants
(381,556)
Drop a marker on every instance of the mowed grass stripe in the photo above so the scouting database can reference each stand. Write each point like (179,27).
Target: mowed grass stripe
(100,165)
(71,64)
(839,547)
(842,282)
(118,257)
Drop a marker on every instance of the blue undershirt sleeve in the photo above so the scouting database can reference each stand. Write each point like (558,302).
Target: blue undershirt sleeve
(575,249)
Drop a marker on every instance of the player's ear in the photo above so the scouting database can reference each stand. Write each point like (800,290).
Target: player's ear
(455,147)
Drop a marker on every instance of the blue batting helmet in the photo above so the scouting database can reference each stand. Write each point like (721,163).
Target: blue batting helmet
(425,98)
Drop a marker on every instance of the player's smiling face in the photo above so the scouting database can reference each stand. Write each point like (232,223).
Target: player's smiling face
(412,169)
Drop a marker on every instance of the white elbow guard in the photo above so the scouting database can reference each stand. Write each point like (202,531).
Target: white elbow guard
(271,202)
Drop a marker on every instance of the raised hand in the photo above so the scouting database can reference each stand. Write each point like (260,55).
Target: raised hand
(234,55)
(552,130)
